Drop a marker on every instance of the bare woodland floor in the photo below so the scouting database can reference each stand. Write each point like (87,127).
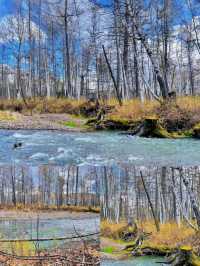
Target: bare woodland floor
(79,254)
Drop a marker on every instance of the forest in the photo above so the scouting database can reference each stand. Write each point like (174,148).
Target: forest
(160,193)
(46,187)
(151,210)
(121,49)
(99,132)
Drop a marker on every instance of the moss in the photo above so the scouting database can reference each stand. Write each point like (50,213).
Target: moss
(152,128)
(160,132)
(157,249)
(196,131)
(186,248)
(112,123)
(195,261)
(182,134)
(108,249)
(71,124)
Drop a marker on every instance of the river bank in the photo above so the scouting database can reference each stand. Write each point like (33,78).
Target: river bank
(175,118)
(54,122)
(49,213)
(122,242)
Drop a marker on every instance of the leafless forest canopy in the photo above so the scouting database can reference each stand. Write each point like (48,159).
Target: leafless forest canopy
(49,186)
(125,49)
(160,193)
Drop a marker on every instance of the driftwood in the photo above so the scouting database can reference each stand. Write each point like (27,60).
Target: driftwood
(181,257)
(138,242)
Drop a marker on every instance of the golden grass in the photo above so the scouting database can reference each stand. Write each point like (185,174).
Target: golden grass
(43,105)
(7,116)
(170,235)
(132,109)
(189,103)
(58,105)
(112,230)
(40,207)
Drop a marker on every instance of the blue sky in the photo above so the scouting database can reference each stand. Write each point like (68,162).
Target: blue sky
(6,7)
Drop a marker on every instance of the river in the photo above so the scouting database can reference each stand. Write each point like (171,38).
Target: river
(139,261)
(96,148)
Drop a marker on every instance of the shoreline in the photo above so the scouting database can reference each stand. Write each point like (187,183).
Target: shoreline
(148,126)
(120,254)
(44,214)
(48,122)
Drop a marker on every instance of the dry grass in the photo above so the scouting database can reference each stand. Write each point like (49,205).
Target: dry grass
(189,103)
(132,109)
(40,207)
(7,116)
(43,105)
(112,230)
(136,110)
(170,235)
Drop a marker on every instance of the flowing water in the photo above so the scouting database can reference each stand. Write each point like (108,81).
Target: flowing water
(97,148)
(139,261)
(47,228)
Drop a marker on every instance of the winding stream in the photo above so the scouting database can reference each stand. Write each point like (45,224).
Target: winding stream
(97,148)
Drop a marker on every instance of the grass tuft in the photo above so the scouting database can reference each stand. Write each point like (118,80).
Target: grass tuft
(170,235)
(7,116)
(108,249)
(71,124)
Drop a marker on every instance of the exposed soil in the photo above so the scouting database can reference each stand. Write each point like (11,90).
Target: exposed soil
(43,122)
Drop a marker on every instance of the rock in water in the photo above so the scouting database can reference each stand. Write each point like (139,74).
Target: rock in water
(17,145)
